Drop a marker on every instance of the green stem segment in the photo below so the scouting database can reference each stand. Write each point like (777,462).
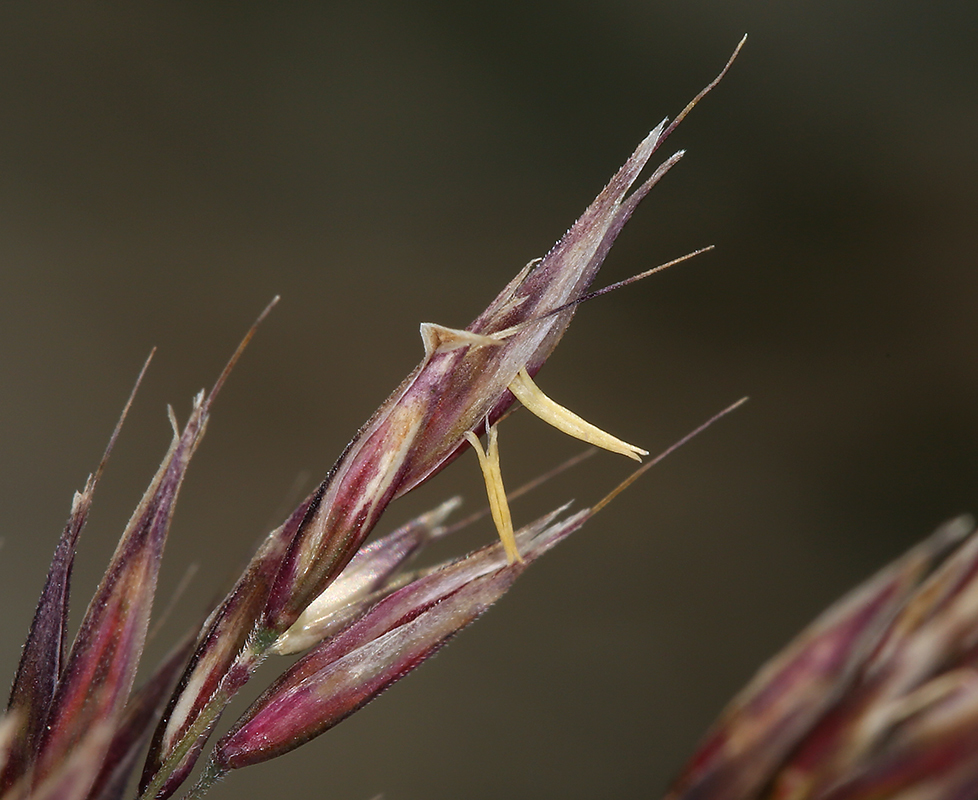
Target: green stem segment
(252,656)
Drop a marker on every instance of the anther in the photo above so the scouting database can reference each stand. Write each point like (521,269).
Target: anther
(489,461)
(535,401)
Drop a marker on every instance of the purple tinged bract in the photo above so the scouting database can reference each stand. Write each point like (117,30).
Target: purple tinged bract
(392,638)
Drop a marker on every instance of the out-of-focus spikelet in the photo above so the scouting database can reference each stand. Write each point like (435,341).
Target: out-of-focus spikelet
(878,698)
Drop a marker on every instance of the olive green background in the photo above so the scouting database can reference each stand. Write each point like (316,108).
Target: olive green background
(166,168)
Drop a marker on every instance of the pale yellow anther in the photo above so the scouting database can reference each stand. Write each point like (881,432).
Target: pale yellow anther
(489,461)
(534,400)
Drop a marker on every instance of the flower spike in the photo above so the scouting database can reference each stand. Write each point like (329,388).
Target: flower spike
(43,656)
(460,389)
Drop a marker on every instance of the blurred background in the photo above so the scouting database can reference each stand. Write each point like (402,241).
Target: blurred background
(166,169)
